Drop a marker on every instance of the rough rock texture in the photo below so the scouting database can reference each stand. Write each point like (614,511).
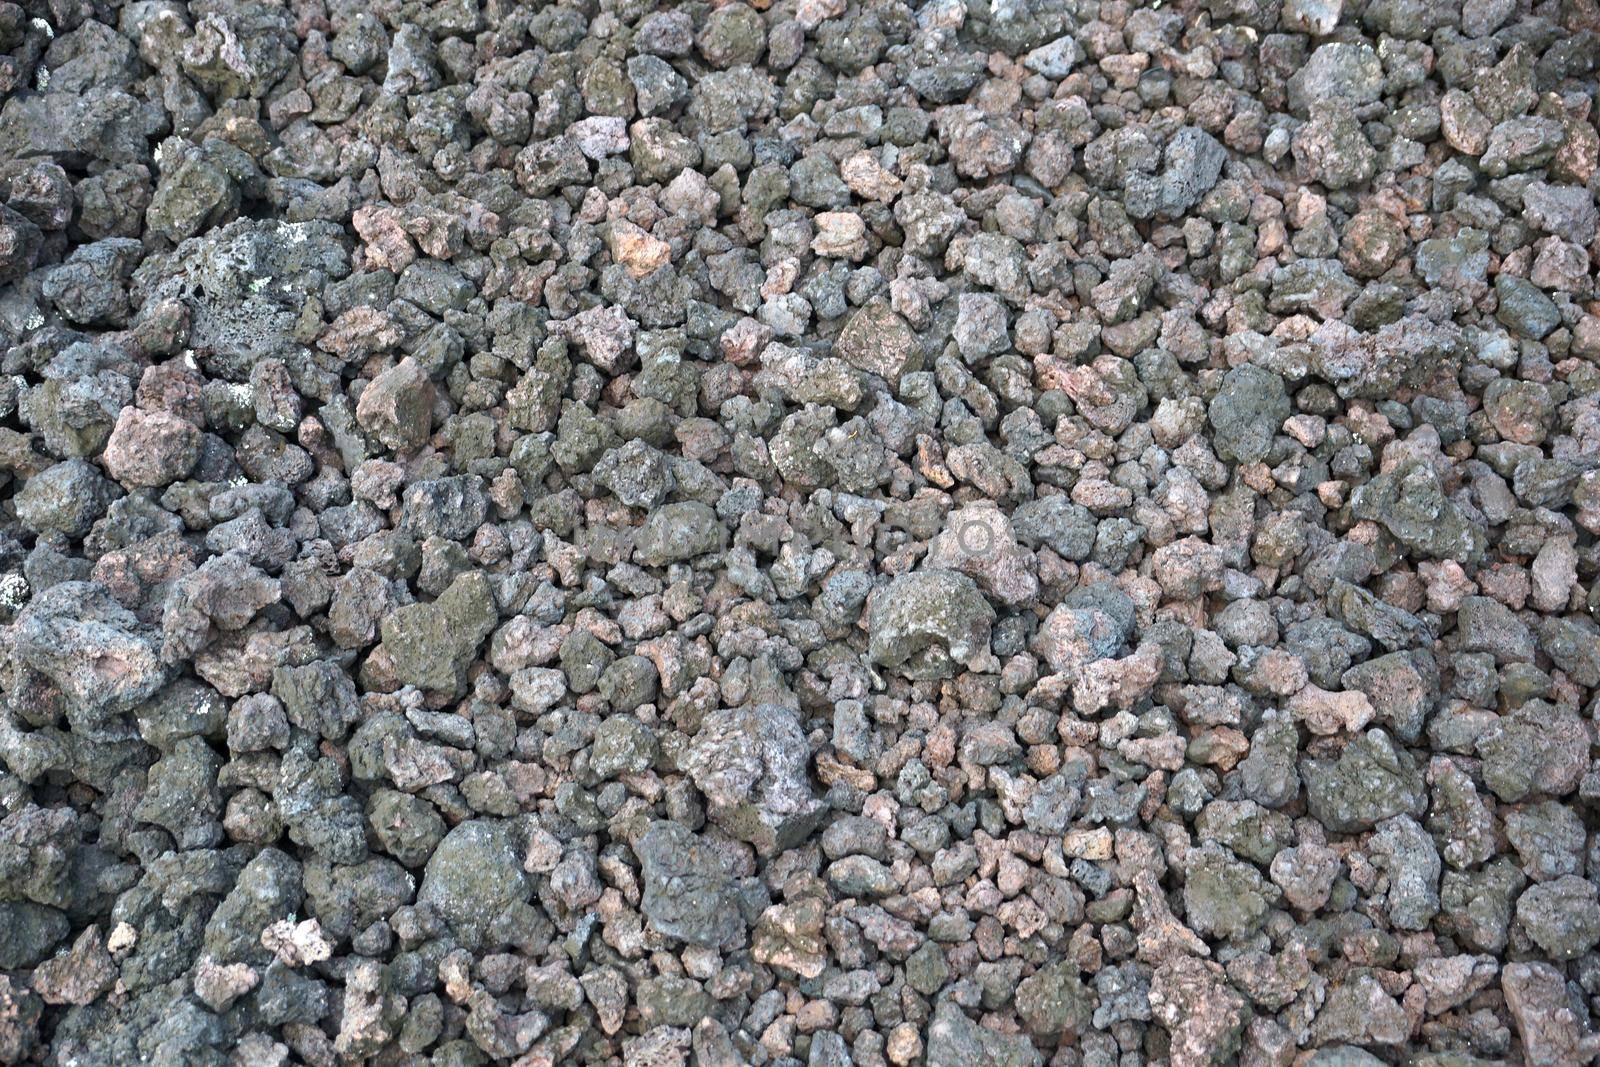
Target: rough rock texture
(688,893)
(799,533)
(473,876)
(750,764)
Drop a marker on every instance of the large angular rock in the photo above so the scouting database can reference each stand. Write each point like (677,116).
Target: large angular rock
(396,407)
(1372,780)
(930,623)
(1453,980)
(1092,623)
(475,875)
(1478,903)
(677,532)
(1358,1011)
(1486,625)
(956,1041)
(245,286)
(1574,645)
(1403,850)
(1222,895)
(1247,413)
(101,123)
(318,698)
(688,892)
(222,595)
(789,936)
(1567,211)
(1201,1012)
(1524,308)
(637,475)
(1192,163)
(1390,626)
(197,194)
(240,51)
(102,658)
(1053,1001)
(1336,71)
(431,645)
(32,931)
(79,976)
(1552,1032)
(1403,688)
(1409,501)
(1540,748)
(1458,817)
(1067,528)
(452,508)
(1561,916)
(1371,365)
(1333,149)
(751,764)
(269,888)
(181,795)
(877,340)
(978,541)
(66,498)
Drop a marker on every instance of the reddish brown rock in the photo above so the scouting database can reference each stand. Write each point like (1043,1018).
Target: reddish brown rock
(81,975)
(150,449)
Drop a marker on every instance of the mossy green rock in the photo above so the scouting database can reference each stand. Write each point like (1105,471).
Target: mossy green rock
(431,645)
(474,875)
(928,624)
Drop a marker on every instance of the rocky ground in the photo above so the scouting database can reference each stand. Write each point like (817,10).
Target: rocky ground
(799,532)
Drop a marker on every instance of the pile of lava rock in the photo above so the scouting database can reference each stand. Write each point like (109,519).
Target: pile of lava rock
(799,533)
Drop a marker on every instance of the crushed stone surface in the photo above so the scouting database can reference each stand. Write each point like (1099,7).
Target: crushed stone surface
(799,533)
